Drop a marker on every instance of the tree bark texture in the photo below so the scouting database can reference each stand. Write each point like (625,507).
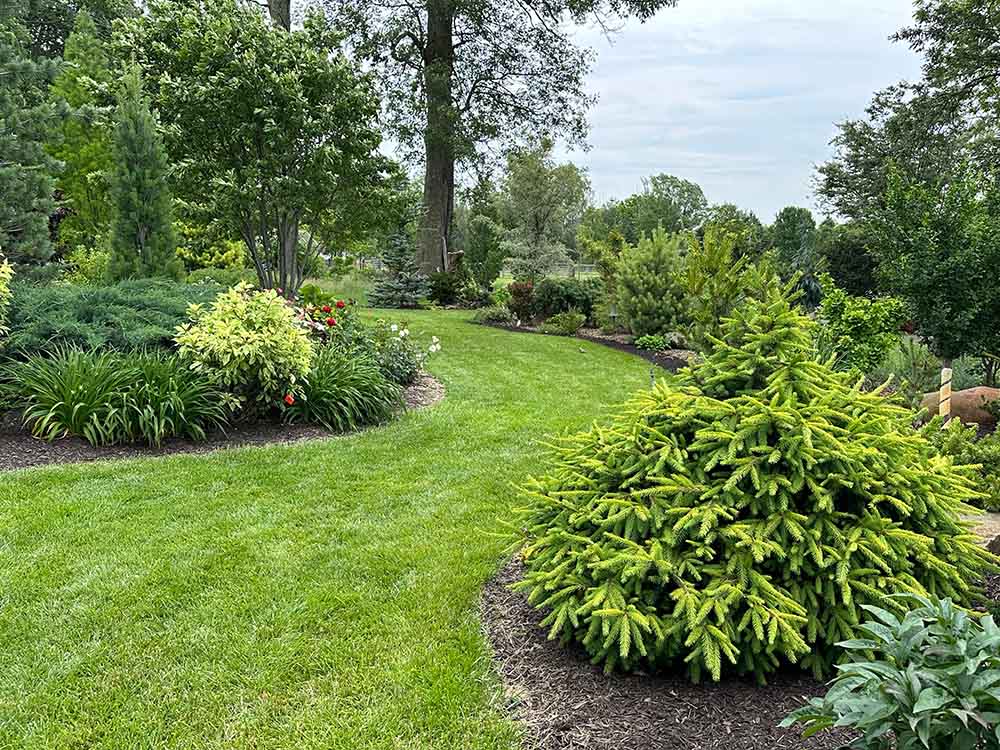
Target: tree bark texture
(439,139)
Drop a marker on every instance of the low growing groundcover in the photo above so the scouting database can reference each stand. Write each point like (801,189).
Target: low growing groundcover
(317,595)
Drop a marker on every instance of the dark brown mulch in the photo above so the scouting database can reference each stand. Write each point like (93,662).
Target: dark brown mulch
(19,450)
(991,587)
(671,361)
(565,703)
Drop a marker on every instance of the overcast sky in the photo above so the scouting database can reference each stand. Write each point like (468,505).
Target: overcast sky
(740,96)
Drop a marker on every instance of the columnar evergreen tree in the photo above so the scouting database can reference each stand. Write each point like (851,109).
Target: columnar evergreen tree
(402,284)
(142,238)
(27,121)
(84,146)
(744,512)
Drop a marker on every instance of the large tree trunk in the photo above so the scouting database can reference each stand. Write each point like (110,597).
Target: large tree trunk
(281,13)
(439,139)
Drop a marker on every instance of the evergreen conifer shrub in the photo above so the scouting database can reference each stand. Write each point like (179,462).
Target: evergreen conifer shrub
(739,515)
(652,286)
(142,236)
(401,284)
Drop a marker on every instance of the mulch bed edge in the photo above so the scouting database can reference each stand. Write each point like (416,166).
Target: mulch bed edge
(666,361)
(563,702)
(19,450)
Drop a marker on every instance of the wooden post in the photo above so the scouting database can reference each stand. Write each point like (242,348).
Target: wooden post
(944,395)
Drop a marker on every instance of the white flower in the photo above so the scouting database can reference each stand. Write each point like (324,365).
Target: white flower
(435,340)
(394,328)
(404,333)
(434,348)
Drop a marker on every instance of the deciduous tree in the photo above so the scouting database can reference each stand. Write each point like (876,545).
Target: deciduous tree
(938,250)
(541,204)
(466,77)
(268,127)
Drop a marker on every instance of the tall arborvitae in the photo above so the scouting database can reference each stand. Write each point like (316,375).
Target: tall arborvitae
(741,515)
(27,122)
(142,239)
(401,284)
(85,144)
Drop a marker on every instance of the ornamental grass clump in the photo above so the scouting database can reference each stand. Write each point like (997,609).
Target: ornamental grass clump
(738,516)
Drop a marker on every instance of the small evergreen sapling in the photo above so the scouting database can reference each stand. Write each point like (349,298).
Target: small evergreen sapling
(401,284)
(142,237)
(742,512)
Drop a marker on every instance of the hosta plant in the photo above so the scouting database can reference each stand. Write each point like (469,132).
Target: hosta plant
(739,515)
(929,680)
(345,392)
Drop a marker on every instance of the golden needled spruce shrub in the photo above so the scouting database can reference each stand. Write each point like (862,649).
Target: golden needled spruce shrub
(738,515)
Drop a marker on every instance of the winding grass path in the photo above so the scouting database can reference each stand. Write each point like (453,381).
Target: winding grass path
(320,595)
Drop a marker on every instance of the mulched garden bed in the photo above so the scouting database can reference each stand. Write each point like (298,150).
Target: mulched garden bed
(565,703)
(19,450)
(671,360)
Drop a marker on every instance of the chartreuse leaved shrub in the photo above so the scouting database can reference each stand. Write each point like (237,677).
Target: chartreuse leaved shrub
(738,516)
(251,341)
(929,679)
(6,274)
(859,332)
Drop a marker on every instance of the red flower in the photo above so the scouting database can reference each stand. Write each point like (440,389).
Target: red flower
(327,308)
(340,304)
(290,399)
(331,321)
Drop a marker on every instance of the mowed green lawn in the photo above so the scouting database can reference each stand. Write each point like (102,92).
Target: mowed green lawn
(320,595)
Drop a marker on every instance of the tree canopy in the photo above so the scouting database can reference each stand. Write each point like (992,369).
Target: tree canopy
(469,79)
(928,129)
(266,126)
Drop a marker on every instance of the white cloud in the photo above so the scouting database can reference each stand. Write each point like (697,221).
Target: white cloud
(740,96)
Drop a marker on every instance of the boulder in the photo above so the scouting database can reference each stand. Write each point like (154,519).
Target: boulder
(968,405)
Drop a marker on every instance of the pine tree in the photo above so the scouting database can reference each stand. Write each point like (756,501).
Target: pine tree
(142,239)
(27,122)
(651,285)
(402,284)
(85,145)
(744,512)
